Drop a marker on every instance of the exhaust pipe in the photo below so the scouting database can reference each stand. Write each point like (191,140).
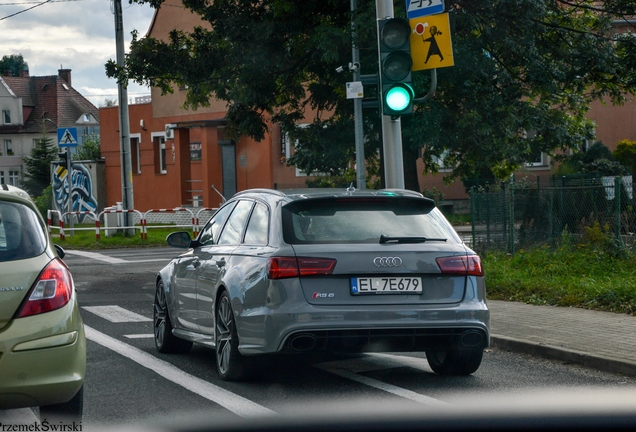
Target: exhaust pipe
(302,342)
(471,338)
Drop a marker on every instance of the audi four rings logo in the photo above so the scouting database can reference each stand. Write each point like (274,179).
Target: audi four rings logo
(387,261)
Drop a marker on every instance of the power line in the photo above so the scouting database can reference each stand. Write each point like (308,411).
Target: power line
(24,10)
(34,2)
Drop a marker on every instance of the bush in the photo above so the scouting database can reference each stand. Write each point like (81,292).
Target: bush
(44,201)
(624,153)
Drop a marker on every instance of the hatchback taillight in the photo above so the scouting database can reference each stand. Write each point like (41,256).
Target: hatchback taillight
(461,265)
(51,290)
(286,267)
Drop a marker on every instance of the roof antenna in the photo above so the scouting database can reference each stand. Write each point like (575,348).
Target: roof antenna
(351,189)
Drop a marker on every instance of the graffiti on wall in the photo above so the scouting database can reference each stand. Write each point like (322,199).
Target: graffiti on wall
(81,196)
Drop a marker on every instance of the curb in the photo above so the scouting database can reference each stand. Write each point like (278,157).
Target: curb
(618,366)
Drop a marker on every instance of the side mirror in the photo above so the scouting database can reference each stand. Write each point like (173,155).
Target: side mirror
(179,239)
(59,250)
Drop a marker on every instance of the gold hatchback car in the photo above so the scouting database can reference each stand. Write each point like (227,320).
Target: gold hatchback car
(42,342)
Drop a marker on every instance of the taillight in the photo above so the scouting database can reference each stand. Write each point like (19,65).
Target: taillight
(51,290)
(286,267)
(461,265)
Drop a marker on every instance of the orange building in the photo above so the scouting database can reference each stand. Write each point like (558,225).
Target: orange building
(178,155)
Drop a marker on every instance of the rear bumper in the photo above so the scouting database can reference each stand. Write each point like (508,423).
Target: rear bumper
(389,328)
(46,366)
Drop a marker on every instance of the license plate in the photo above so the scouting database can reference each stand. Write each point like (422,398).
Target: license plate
(386,285)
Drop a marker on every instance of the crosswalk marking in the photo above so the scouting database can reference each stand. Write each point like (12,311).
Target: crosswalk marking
(349,368)
(116,314)
(140,336)
(111,260)
(231,401)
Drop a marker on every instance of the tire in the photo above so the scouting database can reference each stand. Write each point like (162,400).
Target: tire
(455,362)
(230,363)
(165,341)
(67,412)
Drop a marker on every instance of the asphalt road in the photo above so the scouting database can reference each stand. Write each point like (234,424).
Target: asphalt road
(128,382)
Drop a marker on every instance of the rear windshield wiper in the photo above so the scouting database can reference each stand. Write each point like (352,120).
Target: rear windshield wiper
(387,239)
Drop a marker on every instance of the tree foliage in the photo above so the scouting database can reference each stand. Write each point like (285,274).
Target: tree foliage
(38,165)
(90,149)
(14,63)
(525,74)
(625,153)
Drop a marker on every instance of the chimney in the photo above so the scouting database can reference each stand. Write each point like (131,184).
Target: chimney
(8,73)
(65,74)
(24,73)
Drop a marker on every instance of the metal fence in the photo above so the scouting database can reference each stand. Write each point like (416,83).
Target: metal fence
(513,216)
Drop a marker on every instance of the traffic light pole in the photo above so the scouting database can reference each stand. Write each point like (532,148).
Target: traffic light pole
(391,128)
(124,125)
(361,176)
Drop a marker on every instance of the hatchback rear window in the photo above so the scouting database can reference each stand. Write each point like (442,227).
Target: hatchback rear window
(21,234)
(363,220)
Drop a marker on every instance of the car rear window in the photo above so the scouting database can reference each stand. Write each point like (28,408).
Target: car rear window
(363,220)
(21,234)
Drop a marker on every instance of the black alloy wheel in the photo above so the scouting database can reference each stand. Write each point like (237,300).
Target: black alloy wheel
(165,341)
(230,363)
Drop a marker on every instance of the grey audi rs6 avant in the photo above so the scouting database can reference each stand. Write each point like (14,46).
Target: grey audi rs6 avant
(324,269)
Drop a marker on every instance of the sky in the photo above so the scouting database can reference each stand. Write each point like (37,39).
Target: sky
(74,34)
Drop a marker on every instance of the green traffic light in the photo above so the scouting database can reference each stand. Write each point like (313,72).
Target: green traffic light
(398,98)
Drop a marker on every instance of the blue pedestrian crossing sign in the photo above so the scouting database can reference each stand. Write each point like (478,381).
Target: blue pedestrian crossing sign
(420,8)
(67,137)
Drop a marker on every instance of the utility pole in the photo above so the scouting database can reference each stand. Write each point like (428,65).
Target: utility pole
(124,125)
(361,170)
(391,128)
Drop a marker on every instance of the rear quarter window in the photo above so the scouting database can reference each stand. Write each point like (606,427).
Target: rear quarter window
(351,220)
(21,234)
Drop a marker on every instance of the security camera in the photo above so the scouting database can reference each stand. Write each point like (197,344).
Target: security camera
(340,69)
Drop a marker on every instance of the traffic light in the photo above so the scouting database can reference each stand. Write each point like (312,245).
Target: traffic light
(395,66)
(63,157)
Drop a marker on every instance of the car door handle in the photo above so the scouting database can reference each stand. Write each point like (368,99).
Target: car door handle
(221,262)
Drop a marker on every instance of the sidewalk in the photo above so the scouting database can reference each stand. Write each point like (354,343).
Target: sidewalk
(600,340)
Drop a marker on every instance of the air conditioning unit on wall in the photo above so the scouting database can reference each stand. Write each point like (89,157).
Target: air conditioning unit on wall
(170,130)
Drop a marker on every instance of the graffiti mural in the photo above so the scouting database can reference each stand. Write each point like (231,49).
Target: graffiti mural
(82,191)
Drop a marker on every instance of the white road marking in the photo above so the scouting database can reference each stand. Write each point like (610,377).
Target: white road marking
(109,259)
(21,416)
(401,361)
(140,336)
(350,368)
(231,401)
(116,314)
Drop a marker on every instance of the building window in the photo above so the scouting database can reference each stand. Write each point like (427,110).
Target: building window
(8,147)
(159,144)
(442,161)
(540,160)
(135,154)
(1,177)
(6,116)
(14,176)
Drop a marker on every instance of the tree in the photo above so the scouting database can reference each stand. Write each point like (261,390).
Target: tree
(598,159)
(38,165)
(108,103)
(90,149)
(13,63)
(525,74)
(625,153)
